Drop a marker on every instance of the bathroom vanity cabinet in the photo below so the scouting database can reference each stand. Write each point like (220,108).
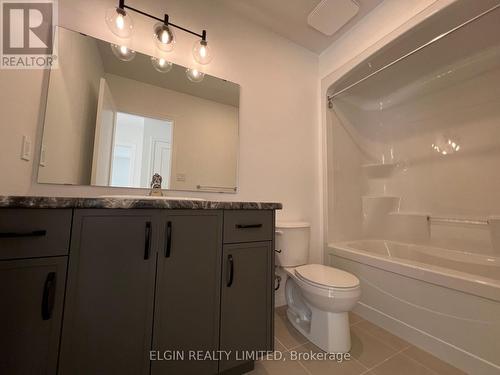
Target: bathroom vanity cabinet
(110,293)
(187,305)
(33,254)
(247,284)
(247,307)
(141,284)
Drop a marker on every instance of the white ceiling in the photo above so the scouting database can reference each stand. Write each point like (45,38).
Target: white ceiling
(288,18)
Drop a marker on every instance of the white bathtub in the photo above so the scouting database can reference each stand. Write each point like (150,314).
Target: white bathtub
(445,301)
(467,272)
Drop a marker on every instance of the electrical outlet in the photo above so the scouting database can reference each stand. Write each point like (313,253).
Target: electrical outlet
(26,149)
(180,177)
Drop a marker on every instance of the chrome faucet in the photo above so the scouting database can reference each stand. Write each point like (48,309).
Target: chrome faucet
(156,186)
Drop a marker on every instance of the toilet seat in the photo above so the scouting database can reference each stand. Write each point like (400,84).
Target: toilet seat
(326,277)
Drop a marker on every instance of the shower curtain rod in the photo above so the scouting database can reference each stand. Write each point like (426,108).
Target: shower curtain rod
(432,41)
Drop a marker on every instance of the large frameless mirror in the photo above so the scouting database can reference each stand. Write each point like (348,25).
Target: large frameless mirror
(115,117)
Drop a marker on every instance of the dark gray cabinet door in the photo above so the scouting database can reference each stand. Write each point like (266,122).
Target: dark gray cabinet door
(32,293)
(246,306)
(188,291)
(109,302)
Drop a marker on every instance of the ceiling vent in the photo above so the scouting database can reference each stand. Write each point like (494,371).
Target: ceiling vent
(330,15)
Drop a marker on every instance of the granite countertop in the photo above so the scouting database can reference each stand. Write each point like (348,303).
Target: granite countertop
(117,202)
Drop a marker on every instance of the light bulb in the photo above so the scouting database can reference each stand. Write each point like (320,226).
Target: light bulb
(122,52)
(164,37)
(119,22)
(194,75)
(161,65)
(202,52)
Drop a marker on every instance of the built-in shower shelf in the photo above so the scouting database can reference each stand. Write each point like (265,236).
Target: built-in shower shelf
(409,213)
(379,170)
(380,197)
(378,165)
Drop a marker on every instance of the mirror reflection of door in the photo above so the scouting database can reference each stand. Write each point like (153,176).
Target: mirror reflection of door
(142,146)
(161,160)
(103,137)
(129,148)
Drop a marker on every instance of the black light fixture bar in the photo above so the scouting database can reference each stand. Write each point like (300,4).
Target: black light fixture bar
(122,5)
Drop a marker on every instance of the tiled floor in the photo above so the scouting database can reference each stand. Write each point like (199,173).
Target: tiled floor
(374,352)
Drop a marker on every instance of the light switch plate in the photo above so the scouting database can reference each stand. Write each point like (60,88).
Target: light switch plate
(43,153)
(26,149)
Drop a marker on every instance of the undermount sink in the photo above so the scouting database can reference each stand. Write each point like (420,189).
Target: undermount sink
(148,197)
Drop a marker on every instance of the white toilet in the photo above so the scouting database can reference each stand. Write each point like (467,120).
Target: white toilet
(318,297)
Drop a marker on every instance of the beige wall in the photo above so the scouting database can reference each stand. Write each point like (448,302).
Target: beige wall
(205,132)
(71,112)
(278,114)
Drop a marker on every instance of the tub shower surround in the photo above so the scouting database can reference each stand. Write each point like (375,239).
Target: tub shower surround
(413,147)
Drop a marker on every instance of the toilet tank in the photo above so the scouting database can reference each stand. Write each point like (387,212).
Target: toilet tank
(292,243)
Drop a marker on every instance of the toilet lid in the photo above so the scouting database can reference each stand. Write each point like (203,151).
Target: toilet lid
(327,276)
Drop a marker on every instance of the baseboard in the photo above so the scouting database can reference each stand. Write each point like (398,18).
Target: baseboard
(279,302)
(447,352)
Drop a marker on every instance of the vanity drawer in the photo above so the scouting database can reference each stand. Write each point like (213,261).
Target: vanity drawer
(33,233)
(248,226)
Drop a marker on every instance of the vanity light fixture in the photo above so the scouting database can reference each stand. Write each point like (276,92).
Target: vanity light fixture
(123,52)
(161,65)
(164,36)
(120,23)
(202,53)
(194,75)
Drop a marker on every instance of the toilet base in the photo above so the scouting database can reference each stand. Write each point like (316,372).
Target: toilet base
(327,330)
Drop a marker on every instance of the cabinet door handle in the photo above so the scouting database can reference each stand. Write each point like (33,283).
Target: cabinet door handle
(248,226)
(35,233)
(48,298)
(168,244)
(230,270)
(147,240)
